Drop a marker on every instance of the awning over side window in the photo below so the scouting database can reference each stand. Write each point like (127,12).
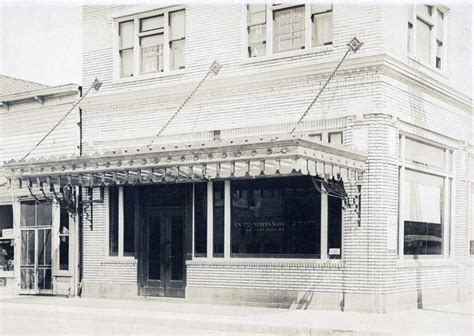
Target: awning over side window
(218,159)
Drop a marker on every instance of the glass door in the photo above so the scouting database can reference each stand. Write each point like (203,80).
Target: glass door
(162,253)
(36,248)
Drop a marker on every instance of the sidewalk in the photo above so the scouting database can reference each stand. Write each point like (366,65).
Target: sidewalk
(150,316)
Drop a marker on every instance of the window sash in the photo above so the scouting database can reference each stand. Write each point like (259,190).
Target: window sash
(313,28)
(423,41)
(169,23)
(322,29)
(289,29)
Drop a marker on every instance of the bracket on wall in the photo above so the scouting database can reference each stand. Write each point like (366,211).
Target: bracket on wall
(29,185)
(89,215)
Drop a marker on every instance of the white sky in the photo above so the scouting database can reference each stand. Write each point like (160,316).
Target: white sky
(41,43)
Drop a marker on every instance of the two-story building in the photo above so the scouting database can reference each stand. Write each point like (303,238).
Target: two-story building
(37,238)
(207,183)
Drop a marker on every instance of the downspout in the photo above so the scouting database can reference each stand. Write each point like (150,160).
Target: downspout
(80,208)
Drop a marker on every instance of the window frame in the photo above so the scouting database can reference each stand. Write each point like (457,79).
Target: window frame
(121,223)
(447,174)
(324,241)
(269,27)
(70,236)
(470,223)
(432,21)
(137,75)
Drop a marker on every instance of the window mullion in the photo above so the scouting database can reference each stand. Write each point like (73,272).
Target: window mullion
(434,44)
(324,224)
(210,220)
(269,31)
(308,27)
(166,43)
(414,29)
(136,47)
(401,200)
(446,215)
(227,219)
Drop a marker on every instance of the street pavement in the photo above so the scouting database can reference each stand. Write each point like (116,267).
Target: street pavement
(43,315)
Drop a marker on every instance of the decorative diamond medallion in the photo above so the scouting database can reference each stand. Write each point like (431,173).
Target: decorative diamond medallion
(96,84)
(355,44)
(215,67)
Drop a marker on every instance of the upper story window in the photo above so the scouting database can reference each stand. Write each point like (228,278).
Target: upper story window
(280,28)
(151,42)
(426,34)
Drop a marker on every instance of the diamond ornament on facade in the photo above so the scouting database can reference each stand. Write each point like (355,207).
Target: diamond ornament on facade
(355,44)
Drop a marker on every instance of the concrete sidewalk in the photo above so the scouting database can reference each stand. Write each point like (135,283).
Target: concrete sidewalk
(152,316)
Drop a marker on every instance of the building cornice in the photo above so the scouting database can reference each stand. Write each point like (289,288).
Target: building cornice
(40,95)
(383,64)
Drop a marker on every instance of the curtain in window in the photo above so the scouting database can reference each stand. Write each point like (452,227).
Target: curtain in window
(423,41)
(288,29)
(322,29)
(422,213)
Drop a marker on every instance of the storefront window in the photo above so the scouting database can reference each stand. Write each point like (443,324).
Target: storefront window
(113,221)
(275,217)
(218,232)
(6,238)
(129,199)
(200,220)
(423,215)
(64,240)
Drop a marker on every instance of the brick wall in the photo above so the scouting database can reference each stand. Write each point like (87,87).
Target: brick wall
(373,98)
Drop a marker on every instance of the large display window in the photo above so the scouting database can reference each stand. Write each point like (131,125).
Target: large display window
(276,217)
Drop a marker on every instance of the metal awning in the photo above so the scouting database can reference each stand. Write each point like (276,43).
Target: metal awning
(203,160)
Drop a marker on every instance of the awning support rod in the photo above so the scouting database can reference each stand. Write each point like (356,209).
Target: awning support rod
(353,45)
(214,68)
(96,84)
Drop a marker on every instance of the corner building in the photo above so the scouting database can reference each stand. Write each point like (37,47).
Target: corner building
(365,206)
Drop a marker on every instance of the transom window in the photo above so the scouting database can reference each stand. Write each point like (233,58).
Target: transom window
(426,34)
(280,28)
(151,43)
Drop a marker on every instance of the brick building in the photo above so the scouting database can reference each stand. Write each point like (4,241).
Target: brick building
(364,205)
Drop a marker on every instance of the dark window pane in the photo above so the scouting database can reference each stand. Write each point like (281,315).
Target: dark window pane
(44,214)
(218,230)
(169,195)
(423,238)
(154,247)
(200,220)
(44,247)
(113,221)
(27,214)
(64,222)
(334,227)
(277,217)
(6,217)
(129,221)
(177,248)
(64,253)
(64,240)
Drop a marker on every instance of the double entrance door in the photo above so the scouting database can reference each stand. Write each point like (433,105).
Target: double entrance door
(162,268)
